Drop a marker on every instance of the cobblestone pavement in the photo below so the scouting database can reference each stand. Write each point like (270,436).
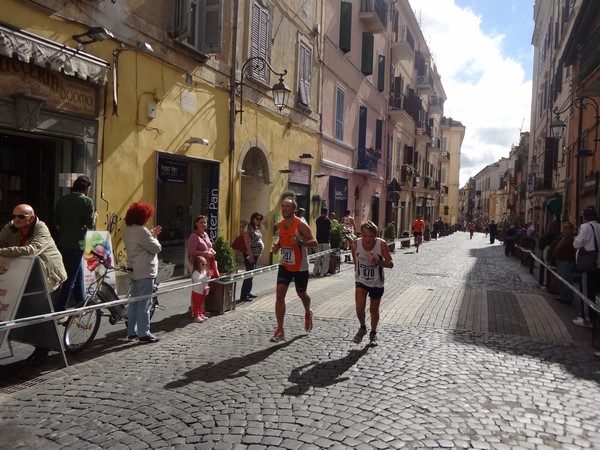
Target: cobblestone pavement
(472,355)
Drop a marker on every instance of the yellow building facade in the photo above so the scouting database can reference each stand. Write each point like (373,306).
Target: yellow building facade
(151,112)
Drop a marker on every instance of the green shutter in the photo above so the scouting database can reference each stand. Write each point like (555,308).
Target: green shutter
(381,73)
(345,27)
(366,66)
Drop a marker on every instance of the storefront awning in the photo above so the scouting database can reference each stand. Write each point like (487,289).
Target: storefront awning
(554,205)
(29,48)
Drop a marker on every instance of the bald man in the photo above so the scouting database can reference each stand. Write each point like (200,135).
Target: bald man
(27,235)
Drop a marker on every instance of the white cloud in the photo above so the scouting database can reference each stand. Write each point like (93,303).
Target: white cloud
(486,89)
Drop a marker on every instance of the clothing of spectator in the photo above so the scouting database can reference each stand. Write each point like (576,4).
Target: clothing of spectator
(73,216)
(254,248)
(493,229)
(200,289)
(27,235)
(509,240)
(441,226)
(323,224)
(590,281)
(564,257)
(142,249)
(199,244)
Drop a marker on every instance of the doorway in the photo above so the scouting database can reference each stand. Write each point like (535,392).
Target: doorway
(185,188)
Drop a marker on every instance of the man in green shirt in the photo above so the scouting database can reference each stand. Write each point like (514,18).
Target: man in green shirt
(73,216)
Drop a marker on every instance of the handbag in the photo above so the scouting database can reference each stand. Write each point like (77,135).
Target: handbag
(239,244)
(587,260)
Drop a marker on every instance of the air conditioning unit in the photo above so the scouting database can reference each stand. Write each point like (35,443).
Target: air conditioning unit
(420,80)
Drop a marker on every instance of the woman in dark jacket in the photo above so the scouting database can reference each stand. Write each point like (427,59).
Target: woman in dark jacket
(254,248)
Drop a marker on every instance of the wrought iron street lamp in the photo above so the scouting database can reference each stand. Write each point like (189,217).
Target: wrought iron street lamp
(281,93)
(558,126)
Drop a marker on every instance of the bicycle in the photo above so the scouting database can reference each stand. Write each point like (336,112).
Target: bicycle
(81,329)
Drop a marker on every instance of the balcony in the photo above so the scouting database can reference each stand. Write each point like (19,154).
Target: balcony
(436,105)
(407,175)
(398,114)
(425,84)
(367,162)
(423,135)
(373,15)
(403,46)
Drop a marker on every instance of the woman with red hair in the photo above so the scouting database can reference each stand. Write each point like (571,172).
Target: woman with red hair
(142,255)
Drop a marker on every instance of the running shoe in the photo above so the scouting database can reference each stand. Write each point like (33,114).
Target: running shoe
(359,336)
(199,319)
(308,317)
(278,336)
(373,339)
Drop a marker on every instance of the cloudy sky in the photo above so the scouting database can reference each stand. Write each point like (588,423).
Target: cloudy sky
(483,53)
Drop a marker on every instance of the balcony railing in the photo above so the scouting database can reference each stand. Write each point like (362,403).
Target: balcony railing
(367,161)
(403,45)
(373,14)
(436,105)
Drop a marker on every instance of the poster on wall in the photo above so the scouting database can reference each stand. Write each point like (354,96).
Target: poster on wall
(100,243)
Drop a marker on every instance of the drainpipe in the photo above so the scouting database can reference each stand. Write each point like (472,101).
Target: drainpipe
(232,108)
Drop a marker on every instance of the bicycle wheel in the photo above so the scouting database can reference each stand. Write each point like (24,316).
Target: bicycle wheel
(81,329)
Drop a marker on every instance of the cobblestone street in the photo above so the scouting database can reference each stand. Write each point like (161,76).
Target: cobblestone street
(472,354)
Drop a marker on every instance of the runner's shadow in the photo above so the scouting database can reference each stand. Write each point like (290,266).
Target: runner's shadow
(322,374)
(229,368)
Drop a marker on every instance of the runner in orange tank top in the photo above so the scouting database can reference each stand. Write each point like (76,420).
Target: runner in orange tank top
(294,238)
(418,226)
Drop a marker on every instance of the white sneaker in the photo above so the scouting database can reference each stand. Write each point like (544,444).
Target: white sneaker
(581,322)
(199,319)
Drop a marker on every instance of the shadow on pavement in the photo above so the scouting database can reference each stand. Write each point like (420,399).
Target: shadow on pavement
(229,368)
(322,374)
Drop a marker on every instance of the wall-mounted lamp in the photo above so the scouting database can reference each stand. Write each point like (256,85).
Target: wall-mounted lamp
(418,178)
(286,171)
(94,34)
(197,140)
(281,92)
(305,156)
(321,175)
(145,46)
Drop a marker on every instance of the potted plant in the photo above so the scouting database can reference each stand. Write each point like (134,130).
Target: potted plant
(405,243)
(389,233)
(220,298)
(336,236)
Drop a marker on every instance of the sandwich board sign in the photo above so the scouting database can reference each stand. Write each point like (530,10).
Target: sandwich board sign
(23,293)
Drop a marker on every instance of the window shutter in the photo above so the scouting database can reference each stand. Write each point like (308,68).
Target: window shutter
(408,154)
(345,27)
(378,134)
(381,73)
(179,19)
(339,114)
(367,54)
(362,128)
(304,75)
(260,41)
(211,26)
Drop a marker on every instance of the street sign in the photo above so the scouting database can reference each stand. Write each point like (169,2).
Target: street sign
(530,182)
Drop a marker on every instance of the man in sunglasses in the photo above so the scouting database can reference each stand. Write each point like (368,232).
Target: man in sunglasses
(26,235)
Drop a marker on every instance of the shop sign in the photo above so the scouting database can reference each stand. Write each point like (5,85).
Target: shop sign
(171,172)
(300,173)
(58,91)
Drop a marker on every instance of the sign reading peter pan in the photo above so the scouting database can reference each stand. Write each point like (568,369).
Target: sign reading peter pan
(58,91)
